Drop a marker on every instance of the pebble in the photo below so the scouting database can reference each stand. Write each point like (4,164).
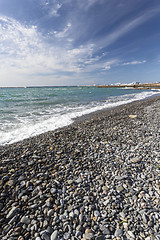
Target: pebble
(53,190)
(118,232)
(131,235)
(106,231)
(87,236)
(50,213)
(54,235)
(25,220)
(96,213)
(45,236)
(12,212)
(66,236)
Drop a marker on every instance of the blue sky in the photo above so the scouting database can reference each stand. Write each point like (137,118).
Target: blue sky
(79,42)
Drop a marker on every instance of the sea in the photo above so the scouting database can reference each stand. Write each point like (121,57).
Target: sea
(26,112)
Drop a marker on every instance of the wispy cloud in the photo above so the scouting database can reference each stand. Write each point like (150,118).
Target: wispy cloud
(72,44)
(16,39)
(109,64)
(52,7)
(101,66)
(86,4)
(64,32)
(128,26)
(55,9)
(134,63)
(24,50)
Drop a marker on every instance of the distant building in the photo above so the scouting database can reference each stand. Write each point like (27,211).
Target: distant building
(136,83)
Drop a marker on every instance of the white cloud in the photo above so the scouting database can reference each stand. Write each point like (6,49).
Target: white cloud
(64,32)
(25,52)
(101,65)
(134,63)
(93,59)
(107,67)
(16,39)
(52,7)
(45,2)
(54,10)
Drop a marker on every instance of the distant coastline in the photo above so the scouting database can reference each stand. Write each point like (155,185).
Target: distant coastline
(133,85)
(130,85)
(39,86)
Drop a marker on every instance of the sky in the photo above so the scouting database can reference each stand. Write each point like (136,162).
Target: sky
(79,42)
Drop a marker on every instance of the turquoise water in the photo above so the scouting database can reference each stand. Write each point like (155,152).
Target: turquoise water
(26,112)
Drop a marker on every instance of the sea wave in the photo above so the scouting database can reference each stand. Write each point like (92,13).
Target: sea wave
(62,117)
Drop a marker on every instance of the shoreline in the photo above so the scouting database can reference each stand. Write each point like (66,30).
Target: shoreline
(95,114)
(85,117)
(97,178)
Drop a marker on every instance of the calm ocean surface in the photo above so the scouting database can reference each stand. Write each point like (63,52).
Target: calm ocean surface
(26,112)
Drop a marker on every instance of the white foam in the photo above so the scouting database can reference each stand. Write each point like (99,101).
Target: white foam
(63,118)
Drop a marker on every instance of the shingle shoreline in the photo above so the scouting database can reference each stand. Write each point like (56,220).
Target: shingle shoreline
(98,178)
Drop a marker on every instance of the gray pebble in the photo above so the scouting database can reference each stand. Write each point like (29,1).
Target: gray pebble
(25,220)
(118,232)
(12,212)
(54,235)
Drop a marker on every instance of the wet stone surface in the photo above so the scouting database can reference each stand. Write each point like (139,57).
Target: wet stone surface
(96,179)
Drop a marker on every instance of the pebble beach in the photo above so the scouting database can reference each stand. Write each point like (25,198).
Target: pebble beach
(98,178)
